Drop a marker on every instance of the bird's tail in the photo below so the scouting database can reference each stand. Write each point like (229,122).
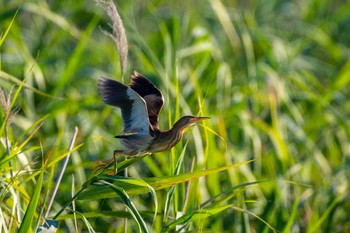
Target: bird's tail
(127,135)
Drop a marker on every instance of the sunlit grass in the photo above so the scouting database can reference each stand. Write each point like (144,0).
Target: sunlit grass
(272,75)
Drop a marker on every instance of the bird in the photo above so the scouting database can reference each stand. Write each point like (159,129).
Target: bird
(140,103)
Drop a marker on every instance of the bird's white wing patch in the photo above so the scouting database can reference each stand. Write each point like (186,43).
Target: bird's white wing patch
(139,122)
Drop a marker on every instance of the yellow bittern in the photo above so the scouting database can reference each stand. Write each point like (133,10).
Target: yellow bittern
(140,103)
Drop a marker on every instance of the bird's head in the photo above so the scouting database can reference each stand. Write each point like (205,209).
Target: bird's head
(187,121)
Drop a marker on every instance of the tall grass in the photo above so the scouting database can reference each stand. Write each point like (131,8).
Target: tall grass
(272,75)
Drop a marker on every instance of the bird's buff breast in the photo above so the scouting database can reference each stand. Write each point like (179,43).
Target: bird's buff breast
(135,145)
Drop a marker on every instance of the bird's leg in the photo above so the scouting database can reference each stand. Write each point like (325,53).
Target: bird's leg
(115,154)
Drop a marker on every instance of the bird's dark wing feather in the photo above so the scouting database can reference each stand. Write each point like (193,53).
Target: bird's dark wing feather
(133,107)
(150,93)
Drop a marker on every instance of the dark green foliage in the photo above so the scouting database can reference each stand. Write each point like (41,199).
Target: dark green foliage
(272,75)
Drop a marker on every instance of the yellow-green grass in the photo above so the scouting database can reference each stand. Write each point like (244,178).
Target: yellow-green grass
(272,75)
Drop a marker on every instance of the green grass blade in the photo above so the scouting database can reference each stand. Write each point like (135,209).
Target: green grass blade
(107,214)
(195,215)
(44,11)
(316,227)
(38,123)
(137,183)
(157,183)
(170,193)
(13,79)
(256,216)
(292,216)
(12,103)
(3,37)
(20,147)
(165,182)
(128,203)
(76,57)
(33,204)
(90,228)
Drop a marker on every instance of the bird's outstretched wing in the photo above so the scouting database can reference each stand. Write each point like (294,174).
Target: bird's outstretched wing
(150,93)
(133,107)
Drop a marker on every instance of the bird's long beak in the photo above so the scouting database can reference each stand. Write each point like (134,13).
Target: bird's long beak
(196,119)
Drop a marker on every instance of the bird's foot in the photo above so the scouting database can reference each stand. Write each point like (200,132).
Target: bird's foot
(103,166)
(99,167)
(101,163)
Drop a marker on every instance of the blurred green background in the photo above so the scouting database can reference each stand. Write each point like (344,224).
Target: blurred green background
(273,75)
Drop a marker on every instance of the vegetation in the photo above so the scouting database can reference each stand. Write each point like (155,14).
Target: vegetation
(272,75)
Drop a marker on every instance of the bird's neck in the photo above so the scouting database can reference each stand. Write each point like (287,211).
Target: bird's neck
(168,138)
(176,132)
